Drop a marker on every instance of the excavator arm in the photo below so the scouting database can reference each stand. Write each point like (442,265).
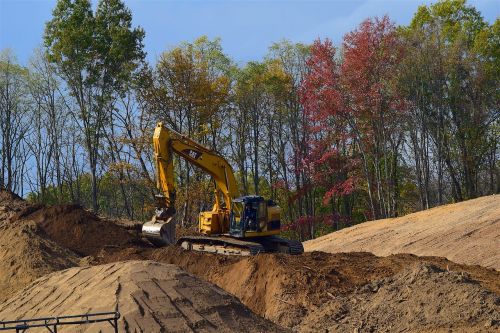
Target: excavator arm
(166,142)
(165,202)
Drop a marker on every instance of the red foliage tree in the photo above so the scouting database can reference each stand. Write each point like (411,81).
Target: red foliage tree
(329,159)
(375,110)
(354,116)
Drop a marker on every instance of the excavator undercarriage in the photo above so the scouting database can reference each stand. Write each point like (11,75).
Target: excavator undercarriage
(232,246)
(161,234)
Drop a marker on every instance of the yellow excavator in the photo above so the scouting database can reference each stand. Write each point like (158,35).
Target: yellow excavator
(238,225)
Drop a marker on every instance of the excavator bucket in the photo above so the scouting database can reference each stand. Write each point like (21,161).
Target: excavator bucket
(160,232)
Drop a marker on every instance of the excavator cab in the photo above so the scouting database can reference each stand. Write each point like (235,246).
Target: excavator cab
(252,216)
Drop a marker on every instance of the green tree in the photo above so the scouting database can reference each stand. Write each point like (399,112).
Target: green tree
(450,76)
(95,54)
(14,127)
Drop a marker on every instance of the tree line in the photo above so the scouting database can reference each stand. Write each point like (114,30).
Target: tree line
(393,120)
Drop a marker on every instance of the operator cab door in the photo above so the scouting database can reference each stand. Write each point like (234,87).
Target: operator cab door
(248,214)
(236,228)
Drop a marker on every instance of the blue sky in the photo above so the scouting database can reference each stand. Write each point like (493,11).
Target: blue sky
(247,28)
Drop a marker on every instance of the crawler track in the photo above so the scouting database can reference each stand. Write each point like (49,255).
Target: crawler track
(233,246)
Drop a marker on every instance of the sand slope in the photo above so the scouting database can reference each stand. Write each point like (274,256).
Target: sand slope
(466,232)
(151,297)
(26,253)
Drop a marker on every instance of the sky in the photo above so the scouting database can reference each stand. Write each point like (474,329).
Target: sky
(247,28)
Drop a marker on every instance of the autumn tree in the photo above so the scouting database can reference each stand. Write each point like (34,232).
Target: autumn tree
(189,91)
(260,128)
(290,128)
(251,99)
(371,55)
(329,162)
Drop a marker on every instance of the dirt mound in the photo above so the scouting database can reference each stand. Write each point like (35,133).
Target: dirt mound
(80,230)
(27,254)
(466,232)
(36,240)
(419,298)
(8,196)
(151,297)
(10,204)
(299,292)
(184,232)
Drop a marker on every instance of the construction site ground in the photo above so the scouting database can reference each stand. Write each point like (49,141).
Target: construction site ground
(467,232)
(63,260)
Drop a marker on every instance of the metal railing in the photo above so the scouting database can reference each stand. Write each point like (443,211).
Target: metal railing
(52,323)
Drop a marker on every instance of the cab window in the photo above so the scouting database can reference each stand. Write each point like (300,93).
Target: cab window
(262,211)
(237,211)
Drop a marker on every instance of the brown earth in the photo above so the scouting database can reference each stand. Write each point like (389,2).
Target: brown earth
(26,253)
(467,232)
(10,204)
(36,240)
(150,296)
(316,290)
(80,230)
(313,292)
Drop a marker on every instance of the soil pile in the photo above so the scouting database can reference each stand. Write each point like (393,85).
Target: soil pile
(36,240)
(184,232)
(79,230)
(419,298)
(10,204)
(466,232)
(303,292)
(150,296)
(26,253)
